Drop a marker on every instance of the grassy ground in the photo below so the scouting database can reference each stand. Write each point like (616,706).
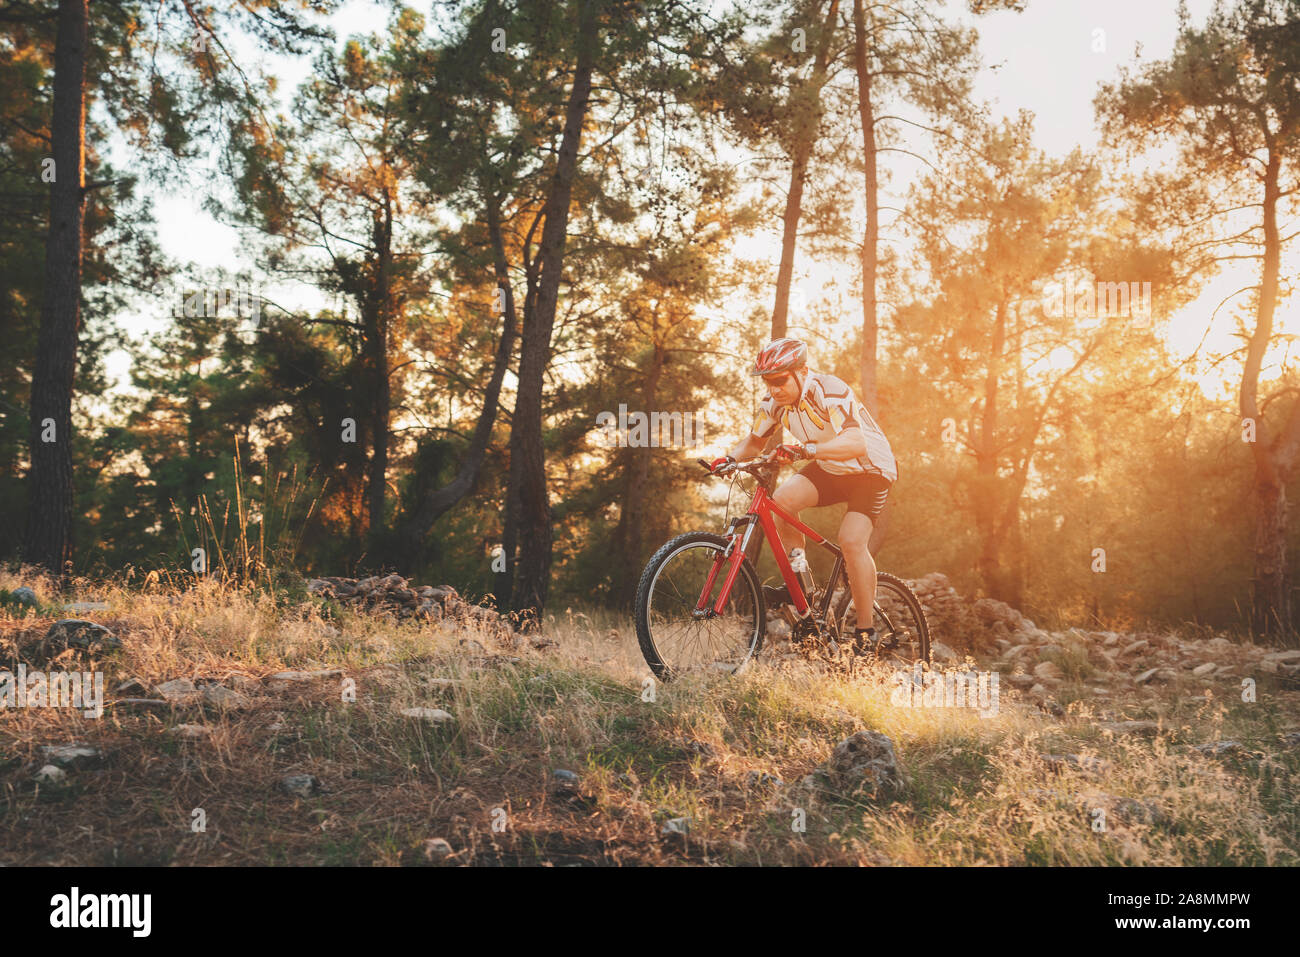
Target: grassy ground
(977,790)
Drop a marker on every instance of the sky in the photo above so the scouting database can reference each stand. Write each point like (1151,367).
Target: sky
(1049,59)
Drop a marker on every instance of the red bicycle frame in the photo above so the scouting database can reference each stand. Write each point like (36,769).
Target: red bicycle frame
(761,508)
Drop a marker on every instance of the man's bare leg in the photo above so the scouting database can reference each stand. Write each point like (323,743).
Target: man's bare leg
(795,494)
(855,533)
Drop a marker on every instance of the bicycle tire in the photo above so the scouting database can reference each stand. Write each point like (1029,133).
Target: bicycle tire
(748,579)
(897,587)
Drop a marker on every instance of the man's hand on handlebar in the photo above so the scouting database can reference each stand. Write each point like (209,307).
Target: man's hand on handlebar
(726,464)
(789,453)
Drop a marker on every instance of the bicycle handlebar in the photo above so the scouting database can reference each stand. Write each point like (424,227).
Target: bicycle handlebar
(753,466)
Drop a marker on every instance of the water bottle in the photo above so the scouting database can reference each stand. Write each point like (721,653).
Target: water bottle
(799,565)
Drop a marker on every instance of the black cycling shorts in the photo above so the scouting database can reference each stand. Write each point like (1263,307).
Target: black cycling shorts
(865,491)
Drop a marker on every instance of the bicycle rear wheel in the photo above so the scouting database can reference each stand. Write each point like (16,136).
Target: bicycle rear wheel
(899,620)
(674,637)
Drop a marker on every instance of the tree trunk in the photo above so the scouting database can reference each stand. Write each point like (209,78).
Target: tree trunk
(1274,459)
(527,460)
(986,497)
(629,534)
(49,483)
(1270,608)
(809,122)
(870,261)
(437,503)
(377,320)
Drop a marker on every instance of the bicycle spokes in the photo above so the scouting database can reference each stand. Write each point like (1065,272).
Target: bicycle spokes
(684,630)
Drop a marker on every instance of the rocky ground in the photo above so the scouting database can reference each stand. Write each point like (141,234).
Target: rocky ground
(426,716)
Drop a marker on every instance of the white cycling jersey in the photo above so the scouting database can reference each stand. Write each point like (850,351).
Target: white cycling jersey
(826,408)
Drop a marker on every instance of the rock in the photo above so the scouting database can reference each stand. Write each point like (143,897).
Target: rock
(1282,657)
(1146,676)
(51,775)
(1204,669)
(25,596)
(83,606)
(82,635)
(676,827)
(1291,739)
(190,731)
(437,849)
(132,687)
(215,696)
(301,785)
(702,748)
(941,652)
(73,755)
(1218,747)
(1130,727)
(1051,706)
(178,690)
(863,761)
(305,677)
(1021,681)
(443,684)
(1136,646)
(756,779)
(431,715)
(141,704)
(1126,810)
(565,781)
(1049,671)
(1038,689)
(1112,639)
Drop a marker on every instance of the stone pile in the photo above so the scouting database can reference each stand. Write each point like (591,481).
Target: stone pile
(969,626)
(393,594)
(1110,661)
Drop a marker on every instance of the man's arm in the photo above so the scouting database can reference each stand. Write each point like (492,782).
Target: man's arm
(849,444)
(746,448)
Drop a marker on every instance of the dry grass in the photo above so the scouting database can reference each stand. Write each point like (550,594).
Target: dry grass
(977,791)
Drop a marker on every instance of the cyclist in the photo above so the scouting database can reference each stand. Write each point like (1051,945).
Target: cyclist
(851,462)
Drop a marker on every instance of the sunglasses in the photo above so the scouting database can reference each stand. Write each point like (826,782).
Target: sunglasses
(778,381)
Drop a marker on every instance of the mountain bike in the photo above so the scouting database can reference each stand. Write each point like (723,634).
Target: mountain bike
(700,606)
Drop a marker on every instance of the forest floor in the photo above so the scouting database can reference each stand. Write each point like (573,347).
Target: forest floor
(233,761)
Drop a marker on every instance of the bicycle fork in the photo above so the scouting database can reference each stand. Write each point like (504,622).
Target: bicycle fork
(732,555)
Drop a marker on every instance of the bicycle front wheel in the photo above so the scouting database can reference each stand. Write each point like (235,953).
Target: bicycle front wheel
(676,637)
(899,620)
